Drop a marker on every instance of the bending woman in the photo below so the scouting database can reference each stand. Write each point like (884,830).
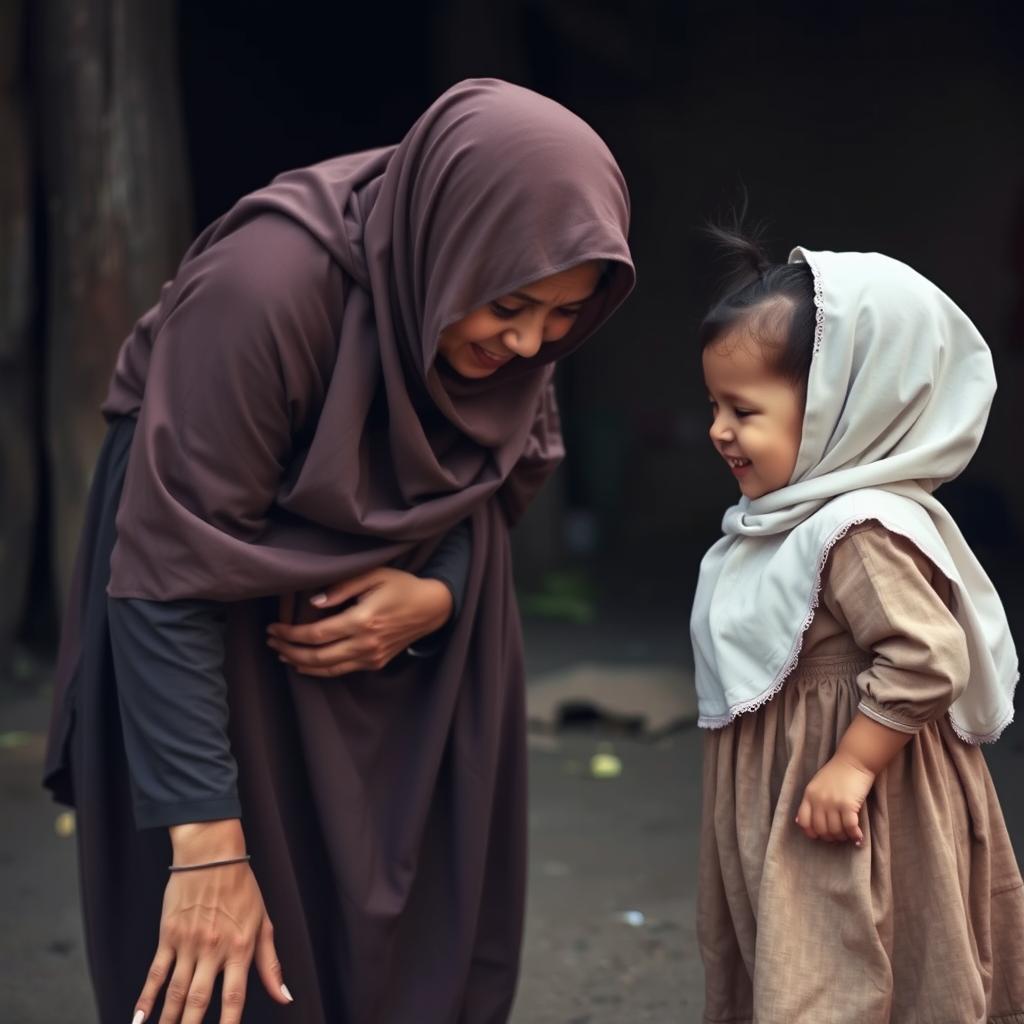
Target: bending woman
(299,641)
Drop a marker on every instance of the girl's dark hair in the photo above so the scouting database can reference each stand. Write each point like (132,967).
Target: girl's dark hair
(785,330)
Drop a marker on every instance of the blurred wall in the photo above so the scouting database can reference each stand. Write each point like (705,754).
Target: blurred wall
(894,127)
(897,128)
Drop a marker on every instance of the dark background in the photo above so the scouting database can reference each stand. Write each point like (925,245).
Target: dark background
(891,127)
(126,125)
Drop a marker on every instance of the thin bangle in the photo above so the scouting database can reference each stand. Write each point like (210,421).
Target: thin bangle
(210,864)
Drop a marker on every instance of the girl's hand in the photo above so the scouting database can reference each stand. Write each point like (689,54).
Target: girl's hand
(830,809)
(393,610)
(213,921)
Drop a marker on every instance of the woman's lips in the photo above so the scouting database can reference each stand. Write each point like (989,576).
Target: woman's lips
(487,359)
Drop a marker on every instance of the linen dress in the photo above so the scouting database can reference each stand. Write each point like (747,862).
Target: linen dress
(924,924)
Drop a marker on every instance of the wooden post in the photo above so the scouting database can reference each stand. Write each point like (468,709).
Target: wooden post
(118,213)
(17,444)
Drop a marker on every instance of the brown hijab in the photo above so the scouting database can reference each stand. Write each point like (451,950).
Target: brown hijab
(334,458)
(294,429)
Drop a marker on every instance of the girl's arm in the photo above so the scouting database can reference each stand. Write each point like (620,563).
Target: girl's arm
(895,605)
(868,746)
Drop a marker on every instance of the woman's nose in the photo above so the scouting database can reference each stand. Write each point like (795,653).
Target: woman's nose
(525,341)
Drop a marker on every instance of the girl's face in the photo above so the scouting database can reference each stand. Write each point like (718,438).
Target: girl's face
(758,415)
(516,325)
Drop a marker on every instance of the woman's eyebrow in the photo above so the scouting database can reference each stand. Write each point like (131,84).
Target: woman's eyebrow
(534,301)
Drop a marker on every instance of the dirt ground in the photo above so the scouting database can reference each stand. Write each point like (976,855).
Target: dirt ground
(610,931)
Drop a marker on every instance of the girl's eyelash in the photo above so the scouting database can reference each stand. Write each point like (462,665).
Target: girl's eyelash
(741,413)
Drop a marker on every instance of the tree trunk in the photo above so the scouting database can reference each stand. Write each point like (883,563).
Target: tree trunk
(17,447)
(117,208)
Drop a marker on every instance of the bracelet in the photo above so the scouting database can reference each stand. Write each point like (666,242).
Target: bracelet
(209,864)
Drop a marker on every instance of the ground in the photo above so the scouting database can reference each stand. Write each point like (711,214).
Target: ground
(610,928)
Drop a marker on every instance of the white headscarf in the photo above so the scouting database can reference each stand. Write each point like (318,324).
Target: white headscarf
(898,395)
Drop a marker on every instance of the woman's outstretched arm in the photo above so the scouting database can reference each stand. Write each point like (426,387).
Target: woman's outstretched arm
(214,455)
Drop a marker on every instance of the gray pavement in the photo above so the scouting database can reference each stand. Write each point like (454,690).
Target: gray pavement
(610,929)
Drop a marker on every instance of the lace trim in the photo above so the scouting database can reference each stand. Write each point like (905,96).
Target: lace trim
(976,739)
(721,721)
(819,307)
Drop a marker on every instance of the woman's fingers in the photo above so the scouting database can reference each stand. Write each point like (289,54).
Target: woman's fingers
(335,671)
(342,626)
(190,991)
(339,593)
(307,659)
(200,992)
(156,978)
(268,966)
(334,627)
(361,648)
(177,989)
(396,609)
(232,992)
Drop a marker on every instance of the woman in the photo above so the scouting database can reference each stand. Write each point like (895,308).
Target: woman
(324,430)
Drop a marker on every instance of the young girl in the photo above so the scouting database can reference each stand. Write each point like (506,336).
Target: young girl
(851,655)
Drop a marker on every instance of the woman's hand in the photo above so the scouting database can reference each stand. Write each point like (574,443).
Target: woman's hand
(393,610)
(213,921)
(830,809)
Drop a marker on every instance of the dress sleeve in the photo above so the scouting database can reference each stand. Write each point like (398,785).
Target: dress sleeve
(449,564)
(894,603)
(168,657)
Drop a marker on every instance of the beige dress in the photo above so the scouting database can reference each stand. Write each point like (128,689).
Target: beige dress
(924,924)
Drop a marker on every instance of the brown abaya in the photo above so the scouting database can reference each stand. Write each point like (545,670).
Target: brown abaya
(293,430)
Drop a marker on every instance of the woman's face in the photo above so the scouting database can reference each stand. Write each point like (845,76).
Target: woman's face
(516,325)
